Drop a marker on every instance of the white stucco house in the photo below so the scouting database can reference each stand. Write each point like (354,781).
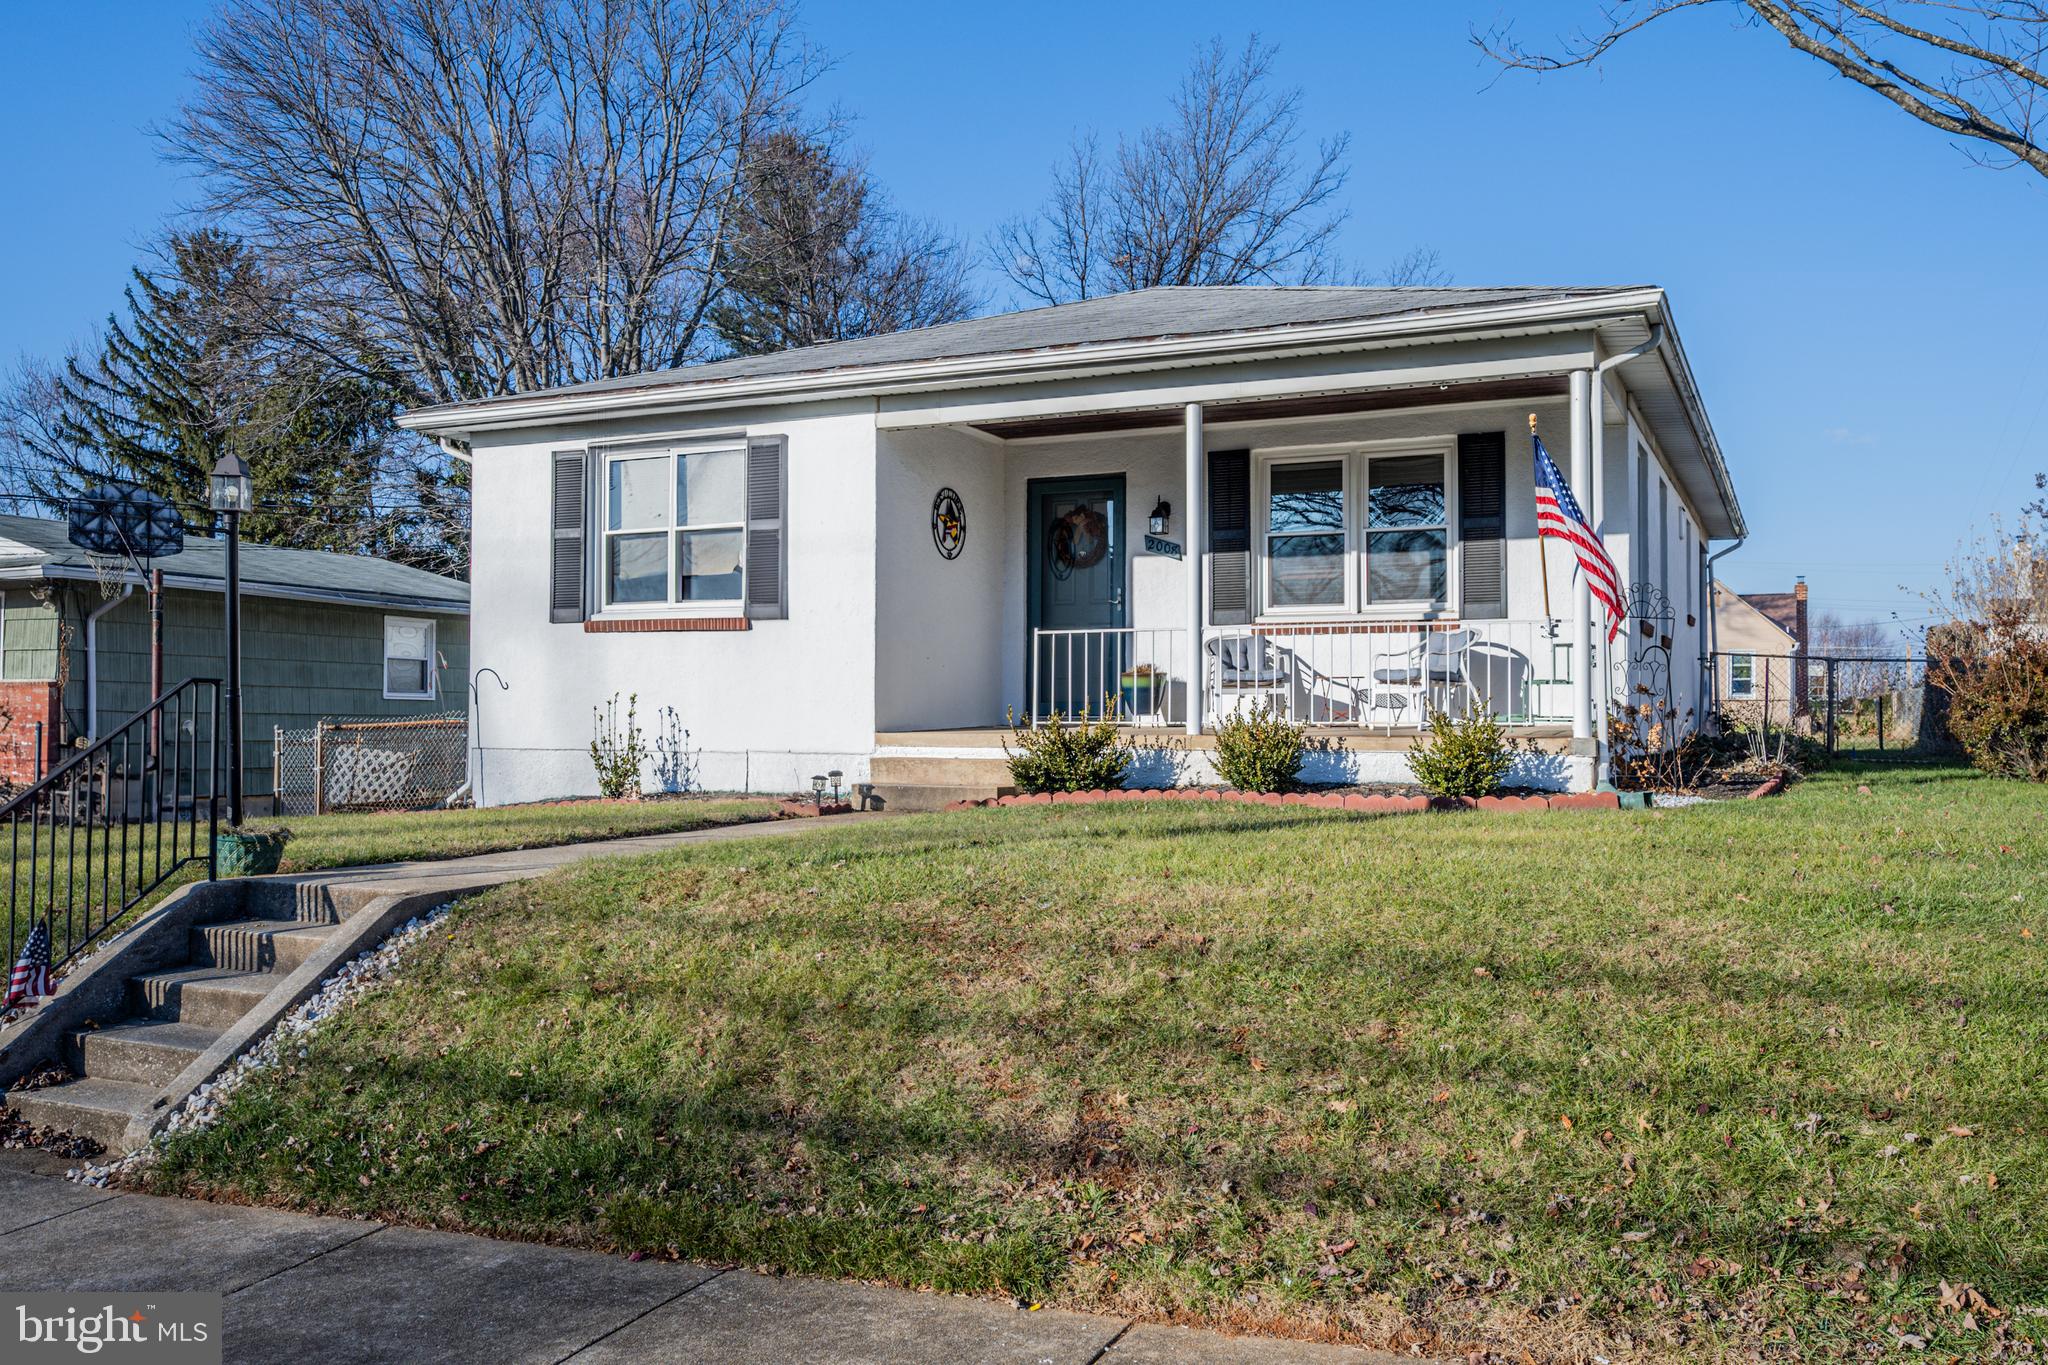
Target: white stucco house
(862,556)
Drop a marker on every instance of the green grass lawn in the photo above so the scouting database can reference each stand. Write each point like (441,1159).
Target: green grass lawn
(77,876)
(322,841)
(1744,1080)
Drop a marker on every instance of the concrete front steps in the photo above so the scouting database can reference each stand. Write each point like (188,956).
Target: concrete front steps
(202,982)
(914,781)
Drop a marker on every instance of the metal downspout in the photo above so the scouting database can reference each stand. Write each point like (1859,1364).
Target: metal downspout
(92,659)
(1714,623)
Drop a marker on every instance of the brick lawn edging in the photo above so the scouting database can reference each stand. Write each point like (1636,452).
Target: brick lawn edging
(1353,801)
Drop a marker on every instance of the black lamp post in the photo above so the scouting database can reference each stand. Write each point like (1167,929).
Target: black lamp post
(229,493)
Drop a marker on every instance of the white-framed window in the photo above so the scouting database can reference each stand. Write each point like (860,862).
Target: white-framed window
(1356,530)
(1307,536)
(409,673)
(1742,675)
(673,529)
(1408,531)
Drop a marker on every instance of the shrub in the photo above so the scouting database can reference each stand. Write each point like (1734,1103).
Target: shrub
(1990,659)
(617,751)
(1063,755)
(1258,751)
(1467,757)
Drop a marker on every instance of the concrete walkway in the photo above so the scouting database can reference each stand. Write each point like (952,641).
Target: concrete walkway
(458,875)
(320,1290)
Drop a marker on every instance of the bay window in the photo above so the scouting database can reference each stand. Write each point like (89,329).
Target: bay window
(674,529)
(1327,551)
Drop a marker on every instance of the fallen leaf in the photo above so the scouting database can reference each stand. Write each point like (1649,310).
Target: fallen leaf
(1342,1106)
(1565,1119)
(1440,1097)
(1957,1130)
(1344,1248)
(1516,1142)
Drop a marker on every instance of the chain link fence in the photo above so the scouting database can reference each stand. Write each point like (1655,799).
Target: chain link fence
(1863,707)
(371,763)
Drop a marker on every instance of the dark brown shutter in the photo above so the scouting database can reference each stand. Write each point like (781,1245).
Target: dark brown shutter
(1230,537)
(767,528)
(1483,525)
(566,572)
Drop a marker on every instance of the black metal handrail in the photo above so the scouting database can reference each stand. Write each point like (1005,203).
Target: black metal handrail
(114,822)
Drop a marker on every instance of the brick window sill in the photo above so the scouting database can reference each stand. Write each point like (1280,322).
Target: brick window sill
(644,625)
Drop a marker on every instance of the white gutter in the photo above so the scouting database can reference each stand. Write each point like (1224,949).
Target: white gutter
(92,659)
(1011,367)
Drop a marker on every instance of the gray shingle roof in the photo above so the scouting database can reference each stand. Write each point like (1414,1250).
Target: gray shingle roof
(1145,314)
(40,544)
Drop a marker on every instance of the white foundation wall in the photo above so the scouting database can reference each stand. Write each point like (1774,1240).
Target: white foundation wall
(764,708)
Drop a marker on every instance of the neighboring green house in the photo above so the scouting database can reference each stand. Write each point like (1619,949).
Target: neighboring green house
(323,636)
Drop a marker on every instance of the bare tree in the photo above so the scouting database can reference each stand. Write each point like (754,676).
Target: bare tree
(1223,192)
(1971,68)
(500,194)
(819,255)
(1421,268)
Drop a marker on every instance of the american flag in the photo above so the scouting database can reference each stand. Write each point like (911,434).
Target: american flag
(1558,514)
(32,972)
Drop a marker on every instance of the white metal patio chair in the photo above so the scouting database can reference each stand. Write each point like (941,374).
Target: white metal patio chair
(1243,666)
(1406,681)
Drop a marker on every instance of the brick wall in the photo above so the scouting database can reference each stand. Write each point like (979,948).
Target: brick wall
(23,704)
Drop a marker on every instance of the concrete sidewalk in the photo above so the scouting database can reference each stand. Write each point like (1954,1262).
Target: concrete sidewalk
(319,1290)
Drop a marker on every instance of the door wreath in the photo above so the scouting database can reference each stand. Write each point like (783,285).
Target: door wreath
(1077,540)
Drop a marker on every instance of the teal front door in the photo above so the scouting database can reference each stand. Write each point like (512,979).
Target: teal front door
(1077,594)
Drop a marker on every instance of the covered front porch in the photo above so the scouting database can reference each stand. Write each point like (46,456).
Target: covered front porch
(1352,543)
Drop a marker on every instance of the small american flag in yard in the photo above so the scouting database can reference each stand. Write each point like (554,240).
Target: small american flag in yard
(32,972)
(1558,514)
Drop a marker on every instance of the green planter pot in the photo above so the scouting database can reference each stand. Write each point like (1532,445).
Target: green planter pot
(248,855)
(1137,690)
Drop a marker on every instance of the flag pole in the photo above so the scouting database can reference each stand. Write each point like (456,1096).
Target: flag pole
(1542,545)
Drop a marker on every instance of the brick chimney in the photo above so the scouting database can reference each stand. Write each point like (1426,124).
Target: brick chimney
(1799,614)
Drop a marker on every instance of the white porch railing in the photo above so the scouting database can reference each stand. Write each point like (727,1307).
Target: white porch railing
(1393,673)
(1136,676)
(1370,674)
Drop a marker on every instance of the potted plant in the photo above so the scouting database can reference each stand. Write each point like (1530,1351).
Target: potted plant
(1138,683)
(249,852)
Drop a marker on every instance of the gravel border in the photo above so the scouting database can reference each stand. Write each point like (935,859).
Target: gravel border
(360,974)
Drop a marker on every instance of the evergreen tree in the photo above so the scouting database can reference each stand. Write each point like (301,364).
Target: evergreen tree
(818,255)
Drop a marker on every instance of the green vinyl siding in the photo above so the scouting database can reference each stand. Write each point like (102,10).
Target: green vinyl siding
(301,662)
(28,637)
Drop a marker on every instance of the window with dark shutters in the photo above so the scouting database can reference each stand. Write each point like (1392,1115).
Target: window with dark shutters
(566,574)
(767,527)
(1482,525)
(1230,537)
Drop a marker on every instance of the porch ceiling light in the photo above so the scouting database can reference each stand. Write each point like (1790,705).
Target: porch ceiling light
(1161,514)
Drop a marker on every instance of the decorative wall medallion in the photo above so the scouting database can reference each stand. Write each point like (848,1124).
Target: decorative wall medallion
(949,523)
(1078,540)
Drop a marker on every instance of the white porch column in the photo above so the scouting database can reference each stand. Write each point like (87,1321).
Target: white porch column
(1582,597)
(1596,508)
(1196,521)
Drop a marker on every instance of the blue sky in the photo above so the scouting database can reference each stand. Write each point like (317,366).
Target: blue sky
(1864,307)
